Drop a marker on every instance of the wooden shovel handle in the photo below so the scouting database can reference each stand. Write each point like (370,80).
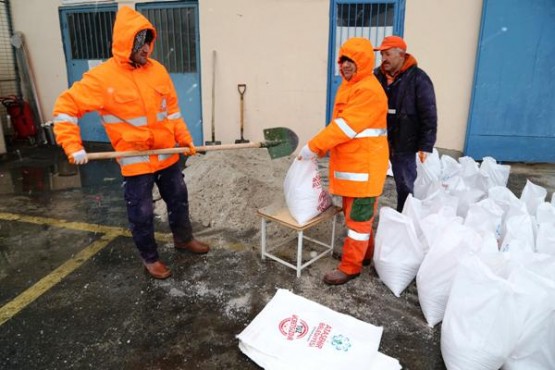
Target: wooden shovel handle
(136,153)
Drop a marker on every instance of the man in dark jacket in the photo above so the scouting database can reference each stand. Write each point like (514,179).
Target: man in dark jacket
(412,113)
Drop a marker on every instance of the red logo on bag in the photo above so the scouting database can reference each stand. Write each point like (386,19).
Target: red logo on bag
(293,327)
(317,181)
(320,335)
(324,201)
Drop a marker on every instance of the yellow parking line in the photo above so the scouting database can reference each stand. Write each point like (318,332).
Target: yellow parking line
(80,226)
(110,233)
(43,285)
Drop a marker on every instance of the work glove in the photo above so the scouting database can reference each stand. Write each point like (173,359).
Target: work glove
(306,153)
(191,146)
(422,156)
(79,157)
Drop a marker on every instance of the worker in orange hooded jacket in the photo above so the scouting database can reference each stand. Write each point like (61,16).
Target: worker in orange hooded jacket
(356,138)
(139,110)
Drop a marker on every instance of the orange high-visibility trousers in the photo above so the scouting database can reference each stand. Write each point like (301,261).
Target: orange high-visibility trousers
(359,243)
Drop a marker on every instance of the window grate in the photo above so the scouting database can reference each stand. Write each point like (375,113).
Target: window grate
(373,21)
(9,77)
(175,46)
(8,69)
(90,34)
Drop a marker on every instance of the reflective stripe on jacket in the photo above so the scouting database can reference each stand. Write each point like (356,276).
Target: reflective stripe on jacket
(138,105)
(357,135)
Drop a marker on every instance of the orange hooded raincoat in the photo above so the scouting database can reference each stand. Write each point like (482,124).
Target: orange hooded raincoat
(357,135)
(138,105)
(357,141)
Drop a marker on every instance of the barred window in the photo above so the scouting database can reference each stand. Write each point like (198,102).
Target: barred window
(176,45)
(373,21)
(91,34)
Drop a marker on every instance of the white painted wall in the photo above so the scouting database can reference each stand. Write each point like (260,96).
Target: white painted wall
(39,22)
(443,36)
(279,49)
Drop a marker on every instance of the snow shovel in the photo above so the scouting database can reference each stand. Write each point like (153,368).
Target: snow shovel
(280,142)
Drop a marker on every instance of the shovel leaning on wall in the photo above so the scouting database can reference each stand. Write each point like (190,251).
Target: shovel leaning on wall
(242,88)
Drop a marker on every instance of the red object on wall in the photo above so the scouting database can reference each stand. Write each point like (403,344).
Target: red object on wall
(22,117)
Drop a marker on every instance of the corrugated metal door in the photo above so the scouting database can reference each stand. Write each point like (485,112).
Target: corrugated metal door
(512,115)
(178,48)
(373,19)
(87,39)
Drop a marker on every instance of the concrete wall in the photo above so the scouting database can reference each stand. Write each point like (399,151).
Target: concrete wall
(443,36)
(39,22)
(279,49)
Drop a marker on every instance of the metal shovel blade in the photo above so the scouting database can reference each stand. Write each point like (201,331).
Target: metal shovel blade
(280,141)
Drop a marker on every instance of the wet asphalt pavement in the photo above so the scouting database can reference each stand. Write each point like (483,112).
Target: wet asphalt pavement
(73,294)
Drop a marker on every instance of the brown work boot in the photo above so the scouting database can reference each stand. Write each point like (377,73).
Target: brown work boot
(158,270)
(193,246)
(337,277)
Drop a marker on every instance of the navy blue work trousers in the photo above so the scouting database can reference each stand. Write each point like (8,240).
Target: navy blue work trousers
(140,208)
(403,166)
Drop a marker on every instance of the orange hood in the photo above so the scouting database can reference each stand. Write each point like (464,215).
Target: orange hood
(360,51)
(128,23)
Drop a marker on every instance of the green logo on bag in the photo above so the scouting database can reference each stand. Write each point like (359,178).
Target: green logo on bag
(341,343)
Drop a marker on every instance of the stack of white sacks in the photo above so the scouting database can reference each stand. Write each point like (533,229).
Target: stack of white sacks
(483,259)
(292,332)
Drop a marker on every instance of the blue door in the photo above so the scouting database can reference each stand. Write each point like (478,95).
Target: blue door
(87,40)
(512,113)
(177,48)
(373,19)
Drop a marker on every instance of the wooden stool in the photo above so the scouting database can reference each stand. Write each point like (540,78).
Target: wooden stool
(279,214)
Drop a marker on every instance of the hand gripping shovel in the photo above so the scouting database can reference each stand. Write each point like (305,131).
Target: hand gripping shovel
(280,142)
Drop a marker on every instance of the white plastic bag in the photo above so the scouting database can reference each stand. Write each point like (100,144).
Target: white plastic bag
(535,310)
(533,195)
(292,332)
(427,175)
(305,196)
(398,252)
(545,213)
(470,173)
(545,240)
(493,174)
(503,197)
(436,274)
(479,330)
(467,197)
(509,203)
(433,211)
(413,210)
(433,223)
(519,233)
(451,174)
(485,216)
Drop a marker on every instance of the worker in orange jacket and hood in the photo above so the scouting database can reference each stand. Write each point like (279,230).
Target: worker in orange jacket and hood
(139,110)
(356,139)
